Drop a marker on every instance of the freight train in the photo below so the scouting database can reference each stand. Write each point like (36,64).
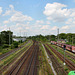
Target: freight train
(67,47)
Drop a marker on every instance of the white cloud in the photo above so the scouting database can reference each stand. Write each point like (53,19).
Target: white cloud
(19,17)
(47,22)
(54,28)
(4,27)
(16,16)
(9,11)
(45,27)
(40,21)
(69,21)
(0,10)
(65,27)
(27,27)
(5,22)
(11,6)
(56,12)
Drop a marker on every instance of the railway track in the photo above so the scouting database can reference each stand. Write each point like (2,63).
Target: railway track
(70,55)
(26,65)
(10,52)
(57,66)
(13,60)
(69,63)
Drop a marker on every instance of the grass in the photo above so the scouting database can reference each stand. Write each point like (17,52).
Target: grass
(12,56)
(61,62)
(44,68)
(5,50)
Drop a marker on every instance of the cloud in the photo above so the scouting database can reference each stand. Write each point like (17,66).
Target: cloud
(1,10)
(27,27)
(40,21)
(45,27)
(54,28)
(9,11)
(56,12)
(11,6)
(19,17)
(69,21)
(65,27)
(47,22)
(4,27)
(5,22)
(16,16)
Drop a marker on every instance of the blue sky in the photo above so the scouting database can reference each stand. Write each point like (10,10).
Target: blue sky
(34,17)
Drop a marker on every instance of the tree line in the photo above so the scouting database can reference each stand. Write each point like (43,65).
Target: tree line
(68,37)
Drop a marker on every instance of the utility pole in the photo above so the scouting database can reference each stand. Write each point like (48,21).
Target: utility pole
(24,36)
(9,36)
(50,38)
(58,34)
(20,36)
(12,38)
(72,39)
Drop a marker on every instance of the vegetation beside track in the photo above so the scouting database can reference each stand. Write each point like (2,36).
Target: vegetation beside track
(9,48)
(44,67)
(10,58)
(59,61)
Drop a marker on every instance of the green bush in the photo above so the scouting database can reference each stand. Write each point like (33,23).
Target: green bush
(5,46)
(15,44)
(12,46)
(69,43)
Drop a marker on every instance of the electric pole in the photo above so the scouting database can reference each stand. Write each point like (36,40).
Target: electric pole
(58,34)
(9,36)
(20,36)
(72,39)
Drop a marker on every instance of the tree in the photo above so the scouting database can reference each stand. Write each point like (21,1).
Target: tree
(15,44)
(62,36)
(52,38)
(5,37)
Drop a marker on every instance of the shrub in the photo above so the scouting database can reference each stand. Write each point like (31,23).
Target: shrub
(12,46)
(15,44)
(5,46)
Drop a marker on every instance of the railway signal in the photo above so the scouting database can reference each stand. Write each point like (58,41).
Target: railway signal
(64,54)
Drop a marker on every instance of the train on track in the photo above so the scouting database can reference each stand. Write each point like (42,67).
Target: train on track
(67,47)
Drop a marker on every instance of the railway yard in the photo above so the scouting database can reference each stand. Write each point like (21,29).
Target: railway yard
(37,58)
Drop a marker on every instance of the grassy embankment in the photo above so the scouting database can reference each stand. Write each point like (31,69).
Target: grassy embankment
(10,58)
(61,62)
(5,50)
(44,67)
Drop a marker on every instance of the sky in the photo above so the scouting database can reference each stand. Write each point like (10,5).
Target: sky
(34,17)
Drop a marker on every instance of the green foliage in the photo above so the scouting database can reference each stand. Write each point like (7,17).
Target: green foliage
(38,38)
(4,37)
(68,43)
(5,46)
(62,36)
(15,44)
(20,41)
(12,46)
